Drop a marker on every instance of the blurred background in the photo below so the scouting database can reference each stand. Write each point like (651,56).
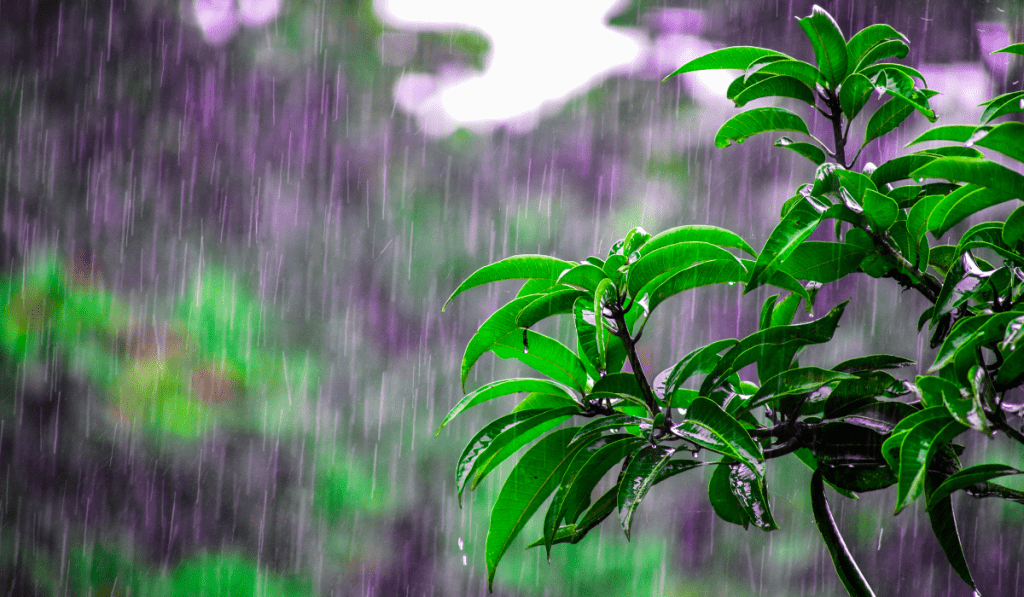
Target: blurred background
(228,230)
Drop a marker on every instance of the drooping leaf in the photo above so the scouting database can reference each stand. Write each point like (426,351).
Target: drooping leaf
(492,330)
(918,447)
(514,438)
(798,224)
(517,267)
(546,355)
(638,478)
(604,299)
(1013,228)
(850,575)
(981,172)
(600,424)
(890,48)
(501,388)
(794,381)
(940,514)
(961,204)
(755,121)
(899,168)
(969,477)
(828,43)
(874,69)
(699,360)
(708,425)
(542,307)
(707,273)
(696,232)
(775,86)
(866,38)
(1008,103)
(872,362)
(736,57)
(723,500)
(808,150)
(822,261)
(969,333)
(481,441)
(527,486)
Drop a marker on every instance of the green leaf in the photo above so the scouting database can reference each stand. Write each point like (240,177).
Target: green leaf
(940,514)
(604,297)
(723,501)
(736,57)
(638,478)
(501,388)
(950,132)
(872,362)
(1011,49)
(765,320)
(494,328)
(513,268)
(868,37)
(581,474)
(785,310)
(969,477)
(585,275)
(586,337)
(695,232)
(514,438)
(880,210)
(775,340)
(527,486)
(859,478)
(672,258)
(539,286)
(775,86)
(798,224)
(616,421)
(808,150)
(546,355)
(855,92)
(750,490)
(918,447)
(699,360)
(899,168)
(554,303)
(803,72)
(961,204)
(758,120)
(981,172)
(481,441)
(829,45)
(917,226)
(794,381)
(891,48)
(851,576)
(708,425)
(874,69)
(969,333)
(719,271)
(1007,103)
(887,117)
(1013,228)
(1004,138)
(823,261)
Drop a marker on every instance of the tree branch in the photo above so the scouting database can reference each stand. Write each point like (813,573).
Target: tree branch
(622,332)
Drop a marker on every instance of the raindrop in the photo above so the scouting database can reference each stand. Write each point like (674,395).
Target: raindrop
(465,560)
(460,544)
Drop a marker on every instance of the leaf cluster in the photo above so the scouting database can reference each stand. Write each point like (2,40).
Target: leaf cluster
(856,425)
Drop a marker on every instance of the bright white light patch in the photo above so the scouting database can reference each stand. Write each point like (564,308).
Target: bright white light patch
(542,53)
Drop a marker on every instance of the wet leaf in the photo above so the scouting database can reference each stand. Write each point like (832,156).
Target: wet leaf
(492,330)
(695,232)
(823,262)
(867,38)
(586,337)
(750,490)
(890,48)
(794,229)
(918,447)
(1008,103)
(981,172)
(828,43)
(859,478)
(699,360)
(1004,138)
(756,121)
(775,86)
(887,117)
(604,298)
(854,94)
(794,381)
(542,307)
(850,575)
(513,268)
(872,362)
(899,168)
(638,478)
(1013,228)
(718,271)
(672,258)
(874,69)
(802,71)
(940,514)
(808,150)
(969,333)
(513,439)
(723,501)
(546,355)
(1011,49)
(585,275)
(880,210)
(969,477)
(736,57)
(528,485)
(708,425)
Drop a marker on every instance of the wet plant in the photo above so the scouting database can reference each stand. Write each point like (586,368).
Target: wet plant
(854,424)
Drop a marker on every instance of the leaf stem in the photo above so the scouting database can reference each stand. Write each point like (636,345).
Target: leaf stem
(622,331)
(928,285)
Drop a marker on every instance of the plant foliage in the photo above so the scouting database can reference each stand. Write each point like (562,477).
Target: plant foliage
(855,424)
